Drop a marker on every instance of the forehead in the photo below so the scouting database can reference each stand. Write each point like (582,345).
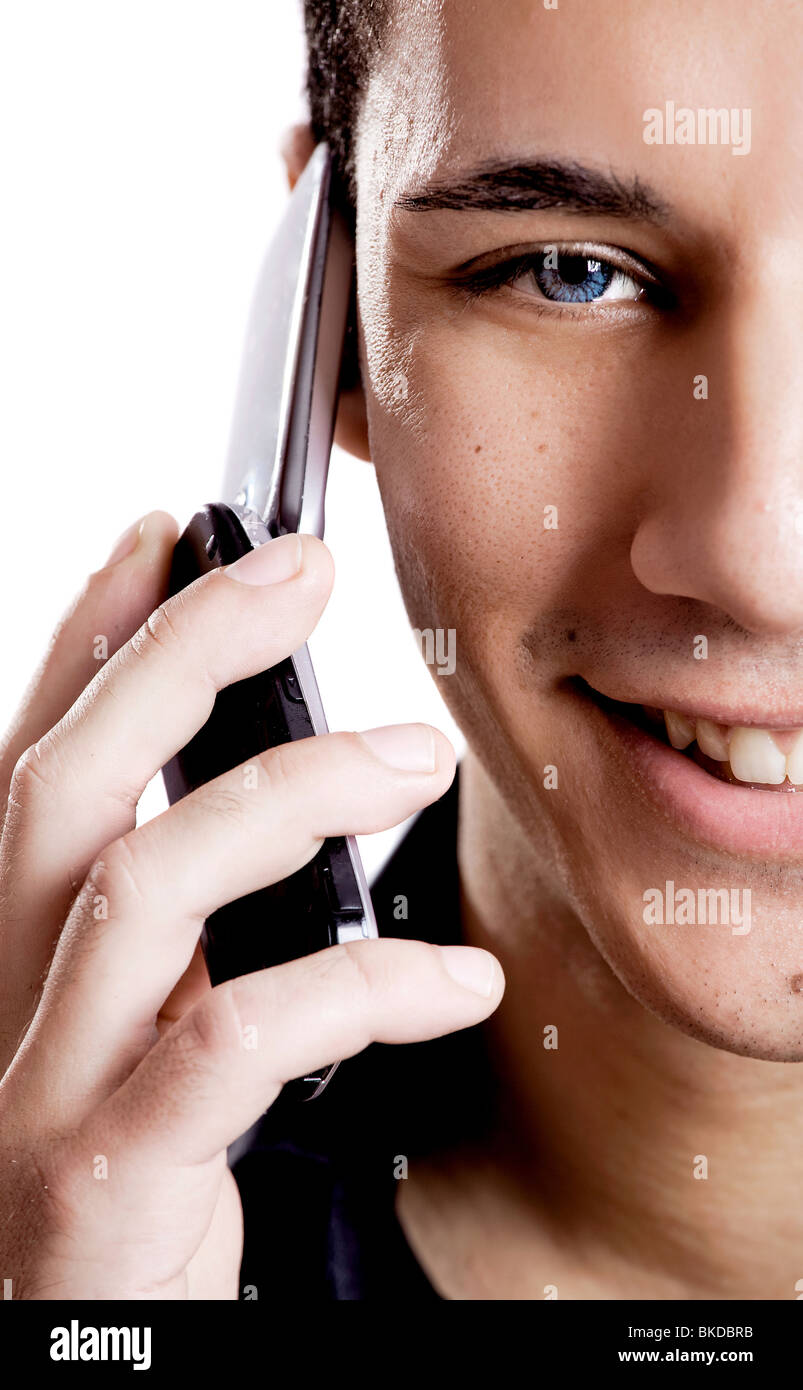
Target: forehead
(461,83)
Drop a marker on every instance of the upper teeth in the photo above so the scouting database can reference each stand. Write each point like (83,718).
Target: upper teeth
(755,755)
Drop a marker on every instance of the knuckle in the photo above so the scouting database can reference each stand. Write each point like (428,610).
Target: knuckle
(350,744)
(347,967)
(362,966)
(280,767)
(118,873)
(245,1000)
(290,766)
(207,1032)
(34,772)
(222,803)
(161,632)
(113,887)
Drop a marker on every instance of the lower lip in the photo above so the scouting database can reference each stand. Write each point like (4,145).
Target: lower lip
(726,817)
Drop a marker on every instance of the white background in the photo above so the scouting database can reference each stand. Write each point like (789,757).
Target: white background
(141,180)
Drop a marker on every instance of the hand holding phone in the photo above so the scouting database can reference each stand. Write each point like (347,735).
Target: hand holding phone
(129,1060)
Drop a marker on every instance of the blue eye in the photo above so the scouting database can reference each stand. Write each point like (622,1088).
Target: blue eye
(561,277)
(575,279)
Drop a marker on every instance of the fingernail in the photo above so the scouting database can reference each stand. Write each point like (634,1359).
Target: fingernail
(410,747)
(126,544)
(472,968)
(269,563)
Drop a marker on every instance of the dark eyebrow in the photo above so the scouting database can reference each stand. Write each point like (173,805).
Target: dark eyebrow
(539,184)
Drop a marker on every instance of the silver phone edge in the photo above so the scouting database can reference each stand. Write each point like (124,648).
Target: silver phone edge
(304,510)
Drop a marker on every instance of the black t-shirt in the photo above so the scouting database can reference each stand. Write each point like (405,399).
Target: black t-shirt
(318,1179)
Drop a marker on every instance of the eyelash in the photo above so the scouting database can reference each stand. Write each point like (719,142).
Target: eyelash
(503,274)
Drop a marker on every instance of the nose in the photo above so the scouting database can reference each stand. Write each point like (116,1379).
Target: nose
(724,524)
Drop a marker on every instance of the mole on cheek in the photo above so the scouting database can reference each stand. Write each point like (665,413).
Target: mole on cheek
(796,984)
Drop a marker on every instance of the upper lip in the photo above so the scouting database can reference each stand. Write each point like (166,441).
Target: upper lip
(779,718)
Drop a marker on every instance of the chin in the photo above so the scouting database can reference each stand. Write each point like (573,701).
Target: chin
(736,995)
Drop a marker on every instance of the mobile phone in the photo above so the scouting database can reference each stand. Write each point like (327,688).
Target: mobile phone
(275,483)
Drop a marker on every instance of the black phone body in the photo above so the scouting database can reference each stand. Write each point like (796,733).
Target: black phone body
(275,480)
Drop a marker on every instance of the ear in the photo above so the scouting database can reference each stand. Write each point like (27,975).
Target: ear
(351,425)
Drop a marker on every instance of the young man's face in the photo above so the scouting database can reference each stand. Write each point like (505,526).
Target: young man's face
(595,475)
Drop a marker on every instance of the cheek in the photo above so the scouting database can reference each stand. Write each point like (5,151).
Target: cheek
(499,459)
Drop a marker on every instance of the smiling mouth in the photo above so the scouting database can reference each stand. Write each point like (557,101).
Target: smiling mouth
(747,756)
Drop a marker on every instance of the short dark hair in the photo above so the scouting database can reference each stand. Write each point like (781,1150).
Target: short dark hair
(343,37)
